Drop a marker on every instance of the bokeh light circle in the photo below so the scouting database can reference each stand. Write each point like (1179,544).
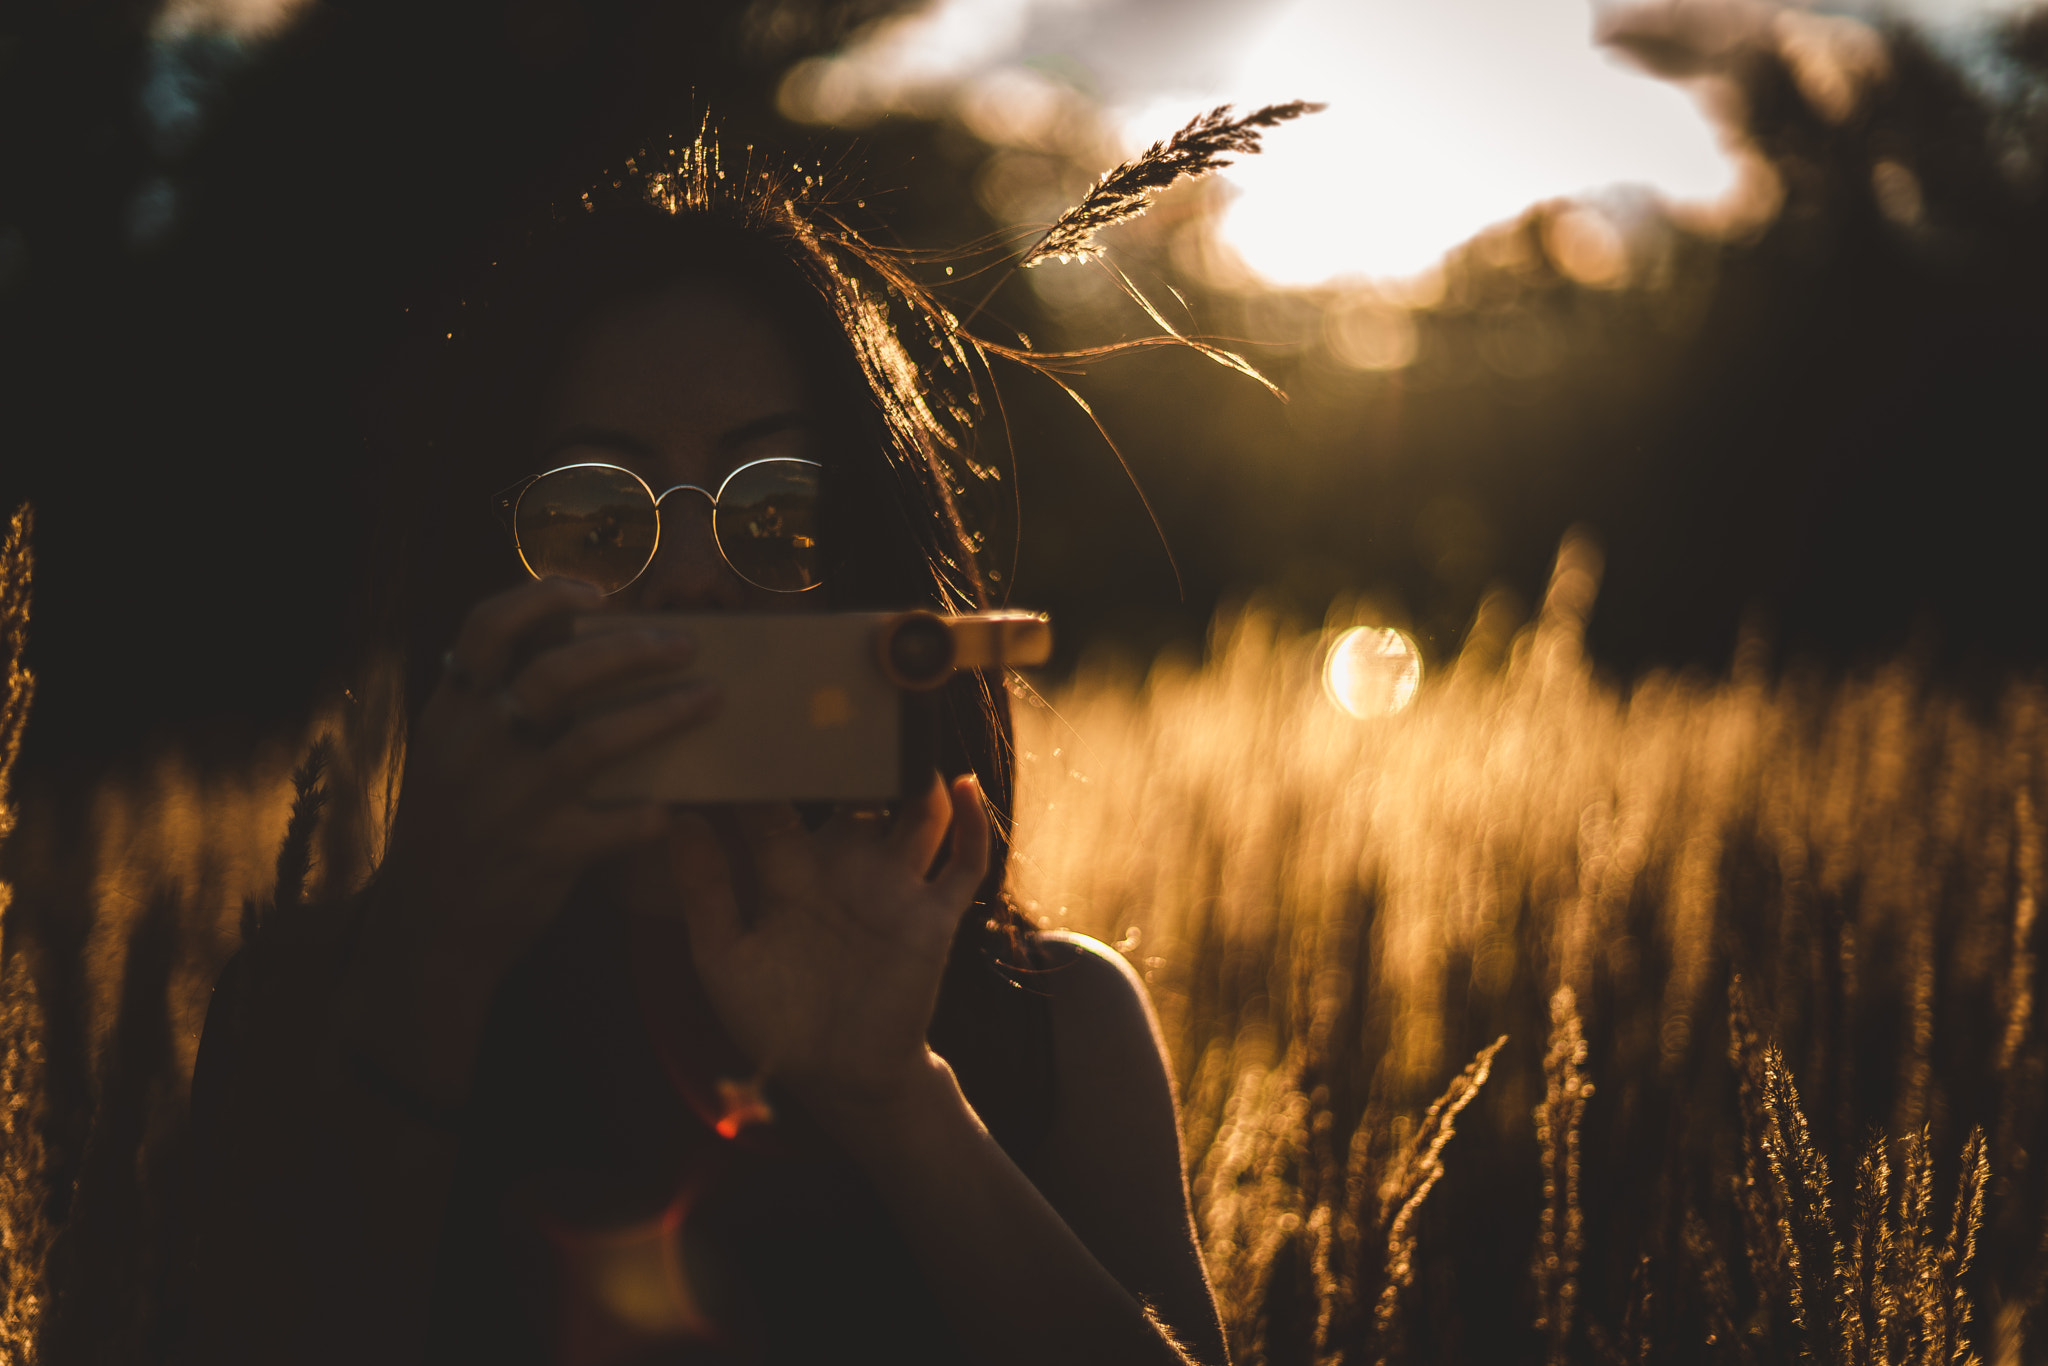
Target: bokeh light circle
(1372,671)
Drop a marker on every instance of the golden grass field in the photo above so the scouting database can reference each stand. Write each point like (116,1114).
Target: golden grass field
(1336,916)
(1545,1020)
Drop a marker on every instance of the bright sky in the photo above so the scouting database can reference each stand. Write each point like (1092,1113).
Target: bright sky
(1445,116)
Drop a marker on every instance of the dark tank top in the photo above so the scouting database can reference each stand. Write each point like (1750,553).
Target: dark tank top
(624,1196)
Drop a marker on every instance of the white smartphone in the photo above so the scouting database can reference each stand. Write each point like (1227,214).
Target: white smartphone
(817,706)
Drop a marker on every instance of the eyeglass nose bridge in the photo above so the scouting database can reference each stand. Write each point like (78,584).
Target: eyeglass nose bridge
(709,496)
(711,515)
(710,509)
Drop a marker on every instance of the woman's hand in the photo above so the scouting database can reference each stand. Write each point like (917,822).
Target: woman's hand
(823,960)
(492,829)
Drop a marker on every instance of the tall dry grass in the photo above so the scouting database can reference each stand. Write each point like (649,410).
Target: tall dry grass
(1334,915)
(1545,1021)
(24,1223)
(130,896)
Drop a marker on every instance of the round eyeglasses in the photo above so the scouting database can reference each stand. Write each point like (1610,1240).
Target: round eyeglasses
(601,524)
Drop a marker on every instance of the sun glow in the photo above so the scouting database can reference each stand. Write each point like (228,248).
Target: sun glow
(1443,119)
(1372,671)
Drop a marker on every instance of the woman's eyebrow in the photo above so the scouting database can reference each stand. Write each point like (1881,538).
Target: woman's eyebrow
(623,442)
(627,444)
(763,426)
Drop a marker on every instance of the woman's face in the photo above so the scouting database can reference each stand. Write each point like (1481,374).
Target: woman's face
(682,387)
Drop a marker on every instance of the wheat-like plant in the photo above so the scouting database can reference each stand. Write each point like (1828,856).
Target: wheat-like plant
(1561,1235)
(1407,1184)
(17,684)
(1910,1270)
(1958,1251)
(1766,1228)
(25,1232)
(295,851)
(1204,144)
(1894,1295)
(1866,1327)
(309,799)
(1247,1203)
(1334,914)
(1799,1173)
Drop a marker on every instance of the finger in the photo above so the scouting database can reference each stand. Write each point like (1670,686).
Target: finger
(961,878)
(595,741)
(491,633)
(565,677)
(704,882)
(920,828)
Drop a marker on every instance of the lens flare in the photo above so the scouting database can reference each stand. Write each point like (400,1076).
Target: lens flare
(1372,671)
(742,1101)
(629,1282)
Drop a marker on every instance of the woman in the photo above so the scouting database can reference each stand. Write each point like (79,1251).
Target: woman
(597,1083)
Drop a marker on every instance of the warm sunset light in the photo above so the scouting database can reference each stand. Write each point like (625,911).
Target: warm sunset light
(509,918)
(1443,119)
(1372,671)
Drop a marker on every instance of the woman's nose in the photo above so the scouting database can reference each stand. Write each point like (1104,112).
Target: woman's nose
(687,572)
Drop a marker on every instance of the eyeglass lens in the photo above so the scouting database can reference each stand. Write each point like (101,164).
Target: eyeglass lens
(766,522)
(599,524)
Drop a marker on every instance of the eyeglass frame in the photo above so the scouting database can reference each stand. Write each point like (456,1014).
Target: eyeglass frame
(507,502)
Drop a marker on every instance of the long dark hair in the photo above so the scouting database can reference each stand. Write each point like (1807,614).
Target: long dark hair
(882,357)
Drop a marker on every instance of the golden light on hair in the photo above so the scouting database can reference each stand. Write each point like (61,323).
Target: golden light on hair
(1372,671)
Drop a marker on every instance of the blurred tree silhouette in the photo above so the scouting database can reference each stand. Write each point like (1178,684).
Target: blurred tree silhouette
(209,249)
(1822,422)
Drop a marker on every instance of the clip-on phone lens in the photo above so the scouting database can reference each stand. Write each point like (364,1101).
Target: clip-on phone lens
(920,651)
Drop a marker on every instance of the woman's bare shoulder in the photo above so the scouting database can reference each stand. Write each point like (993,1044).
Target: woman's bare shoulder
(1112,1163)
(1104,1032)
(1088,974)
(1104,1028)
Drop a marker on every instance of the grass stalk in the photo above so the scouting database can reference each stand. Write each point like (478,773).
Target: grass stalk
(1562,1235)
(26,1233)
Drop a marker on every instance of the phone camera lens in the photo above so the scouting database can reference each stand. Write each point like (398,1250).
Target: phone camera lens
(921,651)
